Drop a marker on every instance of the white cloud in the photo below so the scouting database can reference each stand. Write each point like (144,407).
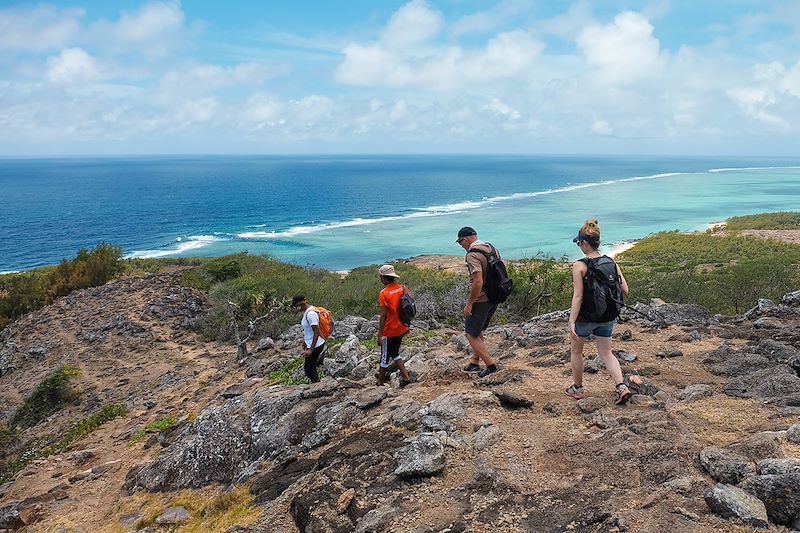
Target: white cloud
(791,82)
(39,28)
(72,65)
(490,20)
(503,109)
(623,51)
(405,57)
(154,29)
(413,23)
(601,127)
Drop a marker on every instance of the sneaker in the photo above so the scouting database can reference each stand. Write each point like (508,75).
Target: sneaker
(623,394)
(488,370)
(404,383)
(472,367)
(573,391)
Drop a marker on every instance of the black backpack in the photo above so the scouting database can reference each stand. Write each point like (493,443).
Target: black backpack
(602,290)
(407,308)
(496,283)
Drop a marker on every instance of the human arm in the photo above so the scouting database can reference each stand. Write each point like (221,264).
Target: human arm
(384,313)
(578,271)
(622,283)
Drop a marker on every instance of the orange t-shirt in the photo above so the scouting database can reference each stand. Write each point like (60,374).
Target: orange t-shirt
(390,299)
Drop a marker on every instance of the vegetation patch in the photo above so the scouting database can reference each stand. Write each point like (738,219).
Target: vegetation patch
(53,393)
(154,427)
(286,375)
(42,448)
(772,221)
(722,420)
(211,509)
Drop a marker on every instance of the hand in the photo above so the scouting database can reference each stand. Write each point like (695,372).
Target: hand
(572,331)
(468,309)
(308,353)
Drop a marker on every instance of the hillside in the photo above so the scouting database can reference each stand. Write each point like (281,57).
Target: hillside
(228,449)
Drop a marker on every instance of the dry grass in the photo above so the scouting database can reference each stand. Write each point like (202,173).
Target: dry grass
(721,420)
(212,510)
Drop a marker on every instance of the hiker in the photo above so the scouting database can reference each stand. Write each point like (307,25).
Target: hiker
(391,330)
(580,327)
(478,310)
(313,341)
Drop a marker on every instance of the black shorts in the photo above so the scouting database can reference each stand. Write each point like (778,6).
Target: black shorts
(390,349)
(478,321)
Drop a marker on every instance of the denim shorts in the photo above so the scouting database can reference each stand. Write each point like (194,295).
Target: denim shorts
(602,329)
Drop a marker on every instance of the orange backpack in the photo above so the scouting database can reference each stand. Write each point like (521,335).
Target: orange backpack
(325,320)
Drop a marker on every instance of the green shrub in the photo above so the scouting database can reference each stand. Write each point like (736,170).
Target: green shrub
(223,269)
(28,291)
(50,395)
(780,220)
(194,279)
(154,427)
(286,375)
(42,448)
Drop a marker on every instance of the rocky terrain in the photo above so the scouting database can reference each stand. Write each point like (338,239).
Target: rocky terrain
(710,441)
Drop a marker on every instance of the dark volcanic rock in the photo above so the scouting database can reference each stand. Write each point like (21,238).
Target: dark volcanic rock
(271,484)
(724,465)
(216,449)
(10,517)
(780,494)
(510,399)
(732,502)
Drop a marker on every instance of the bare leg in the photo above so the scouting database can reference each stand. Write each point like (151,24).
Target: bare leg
(381,376)
(401,366)
(576,360)
(479,349)
(604,351)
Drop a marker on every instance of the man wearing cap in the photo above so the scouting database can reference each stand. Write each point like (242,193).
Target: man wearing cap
(313,341)
(478,310)
(391,330)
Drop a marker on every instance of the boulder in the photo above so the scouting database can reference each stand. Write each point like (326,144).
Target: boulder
(693,393)
(724,465)
(214,449)
(486,436)
(423,457)
(779,466)
(264,344)
(511,399)
(590,404)
(345,359)
(376,520)
(370,397)
(10,517)
(448,405)
(732,502)
(173,516)
(793,433)
(791,299)
(780,494)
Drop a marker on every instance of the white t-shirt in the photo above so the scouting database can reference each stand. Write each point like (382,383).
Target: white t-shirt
(311,318)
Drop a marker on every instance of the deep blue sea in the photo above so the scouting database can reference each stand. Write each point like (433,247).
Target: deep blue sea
(345,211)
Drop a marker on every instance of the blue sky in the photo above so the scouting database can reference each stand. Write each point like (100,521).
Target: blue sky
(512,76)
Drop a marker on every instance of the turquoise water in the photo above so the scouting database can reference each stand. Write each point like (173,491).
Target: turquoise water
(342,212)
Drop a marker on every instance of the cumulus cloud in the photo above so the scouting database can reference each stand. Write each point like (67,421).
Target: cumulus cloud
(153,29)
(39,28)
(406,56)
(70,66)
(623,51)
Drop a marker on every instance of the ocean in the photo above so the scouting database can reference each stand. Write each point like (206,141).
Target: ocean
(339,212)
